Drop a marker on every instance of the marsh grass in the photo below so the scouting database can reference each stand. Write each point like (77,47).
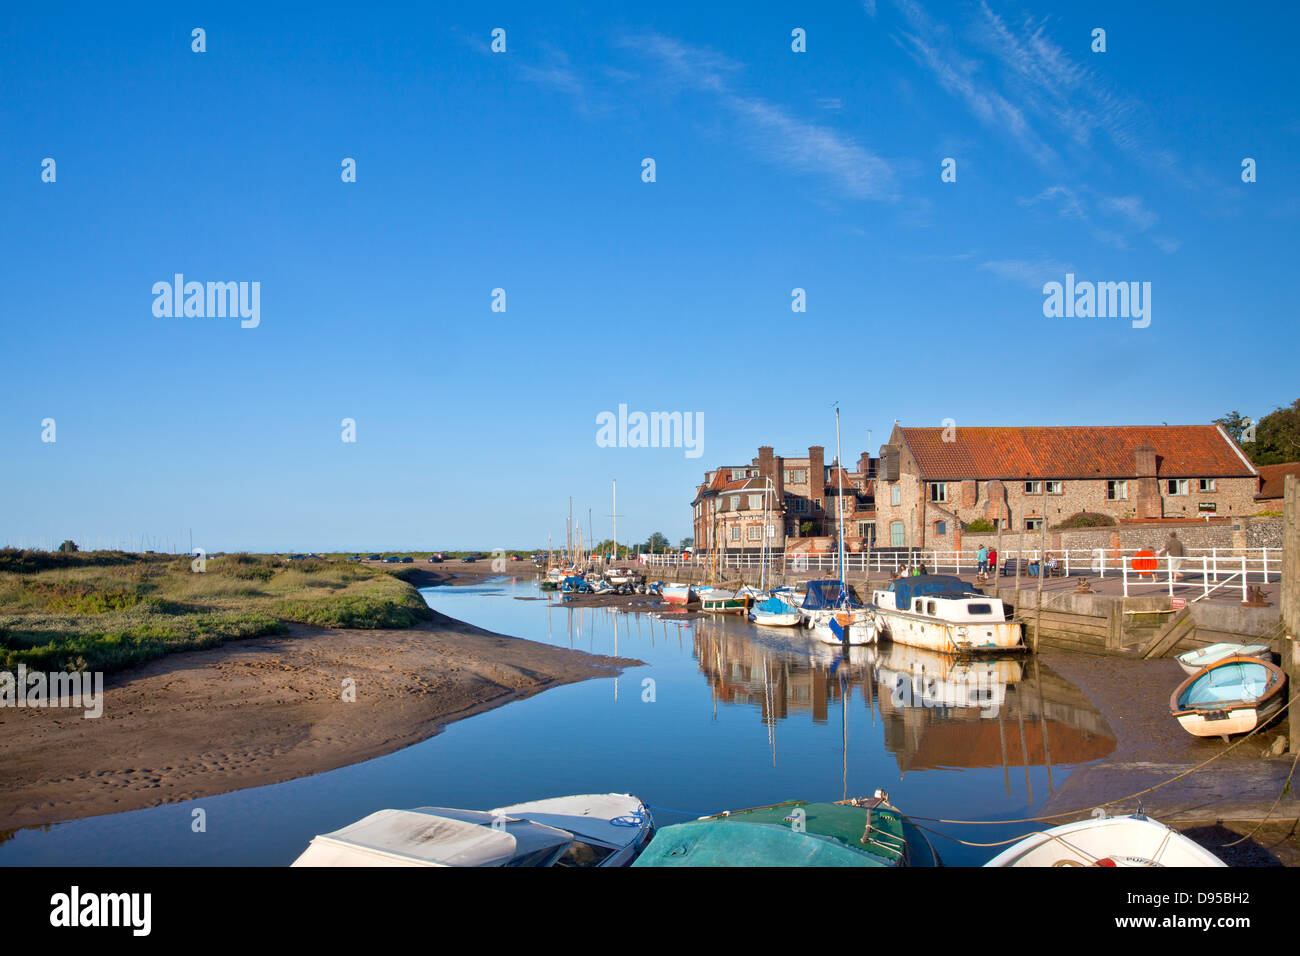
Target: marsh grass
(68,612)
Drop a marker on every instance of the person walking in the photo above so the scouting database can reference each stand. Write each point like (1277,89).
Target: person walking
(1173,550)
(982,556)
(993,561)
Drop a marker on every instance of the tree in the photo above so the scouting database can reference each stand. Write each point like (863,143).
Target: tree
(68,547)
(687,543)
(1276,435)
(657,543)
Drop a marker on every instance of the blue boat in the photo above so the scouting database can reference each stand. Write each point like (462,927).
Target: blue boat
(1233,696)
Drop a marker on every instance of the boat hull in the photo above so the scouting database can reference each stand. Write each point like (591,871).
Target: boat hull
(1193,662)
(1108,841)
(949,638)
(1232,696)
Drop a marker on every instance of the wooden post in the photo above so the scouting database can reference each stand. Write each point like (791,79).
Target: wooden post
(1291,600)
(1042,570)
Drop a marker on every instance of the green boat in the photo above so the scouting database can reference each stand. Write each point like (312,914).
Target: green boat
(863,832)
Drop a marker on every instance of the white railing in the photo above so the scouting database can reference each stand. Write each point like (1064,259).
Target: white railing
(1244,565)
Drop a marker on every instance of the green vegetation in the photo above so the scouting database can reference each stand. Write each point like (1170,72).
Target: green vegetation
(71,610)
(1085,519)
(980,526)
(1275,438)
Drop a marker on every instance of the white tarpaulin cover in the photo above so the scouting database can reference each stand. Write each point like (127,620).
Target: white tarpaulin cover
(432,836)
(588,815)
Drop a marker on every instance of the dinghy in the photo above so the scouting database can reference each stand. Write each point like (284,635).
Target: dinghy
(1195,661)
(774,613)
(724,601)
(606,829)
(867,833)
(1107,841)
(1233,696)
(677,593)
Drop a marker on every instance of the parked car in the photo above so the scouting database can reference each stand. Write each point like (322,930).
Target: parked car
(468,559)
(408,560)
(374,557)
(355,557)
(435,559)
(392,559)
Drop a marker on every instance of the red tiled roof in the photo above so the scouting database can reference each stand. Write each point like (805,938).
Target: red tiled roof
(1074,451)
(1272,478)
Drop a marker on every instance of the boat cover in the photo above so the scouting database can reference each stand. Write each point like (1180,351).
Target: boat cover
(728,843)
(614,819)
(774,606)
(907,588)
(823,595)
(432,836)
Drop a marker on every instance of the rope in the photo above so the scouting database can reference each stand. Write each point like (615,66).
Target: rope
(1286,787)
(1131,796)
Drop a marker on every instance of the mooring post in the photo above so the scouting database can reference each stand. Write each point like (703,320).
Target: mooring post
(1291,600)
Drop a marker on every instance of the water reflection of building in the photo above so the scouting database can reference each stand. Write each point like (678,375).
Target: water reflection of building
(937,711)
(941,712)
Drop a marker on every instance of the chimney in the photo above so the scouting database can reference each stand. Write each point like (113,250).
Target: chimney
(766,463)
(1149,503)
(817,476)
(1144,461)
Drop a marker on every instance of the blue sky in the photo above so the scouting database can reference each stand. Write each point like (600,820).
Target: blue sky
(522,170)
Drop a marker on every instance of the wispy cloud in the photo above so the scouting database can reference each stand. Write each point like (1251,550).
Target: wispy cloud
(768,129)
(1028,272)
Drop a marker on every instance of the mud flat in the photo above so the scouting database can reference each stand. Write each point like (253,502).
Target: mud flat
(265,710)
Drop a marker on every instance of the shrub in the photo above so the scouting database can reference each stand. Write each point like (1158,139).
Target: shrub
(980,526)
(1085,519)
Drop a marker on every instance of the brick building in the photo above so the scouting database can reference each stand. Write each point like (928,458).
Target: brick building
(802,496)
(931,482)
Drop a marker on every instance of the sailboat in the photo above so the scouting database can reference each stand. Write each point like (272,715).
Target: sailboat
(831,610)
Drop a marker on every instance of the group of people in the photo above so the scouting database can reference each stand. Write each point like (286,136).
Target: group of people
(987,559)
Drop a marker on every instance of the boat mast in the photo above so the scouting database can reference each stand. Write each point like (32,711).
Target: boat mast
(840,476)
(615,517)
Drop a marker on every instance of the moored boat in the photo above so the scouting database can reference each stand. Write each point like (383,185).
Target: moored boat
(724,601)
(866,832)
(1233,696)
(587,830)
(1202,657)
(941,612)
(834,613)
(774,613)
(1107,841)
(677,593)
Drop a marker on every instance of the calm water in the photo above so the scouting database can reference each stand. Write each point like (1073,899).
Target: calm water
(723,715)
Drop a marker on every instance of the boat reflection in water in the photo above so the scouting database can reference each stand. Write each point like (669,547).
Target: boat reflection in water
(941,711)
(937,711)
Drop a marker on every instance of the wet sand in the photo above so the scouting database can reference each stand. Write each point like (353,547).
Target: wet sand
(265,710)
(1216,804)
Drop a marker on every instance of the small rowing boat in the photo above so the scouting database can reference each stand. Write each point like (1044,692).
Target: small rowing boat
(774,613)
(1107,841)
(1195,661)
(1233,696)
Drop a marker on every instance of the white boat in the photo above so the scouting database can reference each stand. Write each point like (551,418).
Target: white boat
(1232,696)
(941,613)
(774,612)
(677,593)
(1203,657)
(1107,841)
(833,613)
(607,829)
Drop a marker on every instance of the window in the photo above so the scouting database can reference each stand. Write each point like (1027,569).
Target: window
(1117,491)
(895,495)
(941,527)
(866,530)
(735,532)
(755,532)
(1205,484)
(735,502)
(1033,524)
(929,607)
(979,608)
(1177,486)
(1056,487)
(938,491)
(799,505)
(755,502)
(896,534)
(1033,487)
(796,476)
